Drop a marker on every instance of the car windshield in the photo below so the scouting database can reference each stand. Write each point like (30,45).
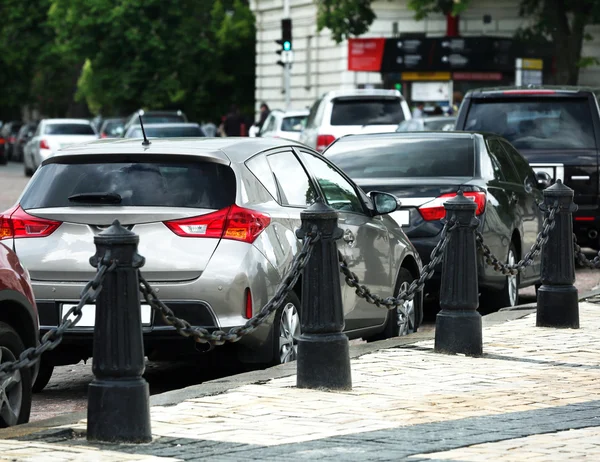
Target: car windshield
(68,129)
(366,111)
(549,123)
(150,184)
(404,157)
(166,132)
(293,124)
(113,128)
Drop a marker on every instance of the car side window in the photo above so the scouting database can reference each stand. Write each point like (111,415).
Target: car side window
(501,157)
(312,115)
(339,193)
(292,181)
(269,124)
(259,167)
(524,170)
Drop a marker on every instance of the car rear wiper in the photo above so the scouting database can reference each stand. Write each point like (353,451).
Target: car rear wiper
(108,197)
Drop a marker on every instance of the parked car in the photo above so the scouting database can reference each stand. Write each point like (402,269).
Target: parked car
(216,219)
(180,130)
(18,331)
(25,134)
(426,169)
(557,129)
(430,124)
(112,128)
(280,124)
(9,133)
(345,112)
(52,135)
(154,117)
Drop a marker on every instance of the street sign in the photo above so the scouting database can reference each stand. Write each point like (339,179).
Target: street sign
(528,72)
(432,76)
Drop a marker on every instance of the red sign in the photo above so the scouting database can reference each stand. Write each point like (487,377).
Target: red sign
(477,76)
(365,54)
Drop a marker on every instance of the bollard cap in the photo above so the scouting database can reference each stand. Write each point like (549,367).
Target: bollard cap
(558,189)
(460,202)
(116,234)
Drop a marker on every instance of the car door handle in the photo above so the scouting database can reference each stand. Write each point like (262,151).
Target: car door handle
(348,236)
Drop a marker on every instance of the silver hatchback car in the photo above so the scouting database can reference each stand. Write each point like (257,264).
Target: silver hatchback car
(216,220)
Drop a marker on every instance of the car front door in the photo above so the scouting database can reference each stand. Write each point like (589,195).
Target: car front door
(365,242)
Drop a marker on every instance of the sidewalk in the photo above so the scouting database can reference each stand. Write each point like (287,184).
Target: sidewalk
(535,395)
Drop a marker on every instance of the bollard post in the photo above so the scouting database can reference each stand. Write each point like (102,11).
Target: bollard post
(323,349)
(458,324)
(557,300)
(118,397)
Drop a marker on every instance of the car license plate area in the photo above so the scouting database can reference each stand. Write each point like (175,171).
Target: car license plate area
(402,217)
(88,314)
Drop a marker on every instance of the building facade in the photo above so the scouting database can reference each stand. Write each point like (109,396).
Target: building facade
(321,65)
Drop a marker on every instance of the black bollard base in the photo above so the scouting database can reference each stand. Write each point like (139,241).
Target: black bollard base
(557,306)
(459,332)
(324,362)
(119,411)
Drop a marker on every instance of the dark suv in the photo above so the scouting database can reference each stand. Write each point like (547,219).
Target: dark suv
(557,129)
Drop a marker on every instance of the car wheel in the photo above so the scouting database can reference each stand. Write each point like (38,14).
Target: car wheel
(508,296)
(397,324)
(43,376)
(286,331)
(15,390)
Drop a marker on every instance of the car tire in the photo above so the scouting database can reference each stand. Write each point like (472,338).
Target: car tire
(28,170)
(286,330)
(43,376)
(492,300)
(394,325)
(15,400)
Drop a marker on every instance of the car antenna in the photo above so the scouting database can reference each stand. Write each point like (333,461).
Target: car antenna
(145,142)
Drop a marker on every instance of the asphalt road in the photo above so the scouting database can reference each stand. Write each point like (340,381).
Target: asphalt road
(67,390)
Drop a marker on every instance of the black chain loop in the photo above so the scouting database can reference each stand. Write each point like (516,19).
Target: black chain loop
(219,337)
(581,257)
(437,254)
(536,248)
(54,336)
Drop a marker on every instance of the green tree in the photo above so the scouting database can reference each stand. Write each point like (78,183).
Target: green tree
(562,22)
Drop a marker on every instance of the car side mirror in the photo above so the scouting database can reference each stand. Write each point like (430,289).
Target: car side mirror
(384,203)
(543,179)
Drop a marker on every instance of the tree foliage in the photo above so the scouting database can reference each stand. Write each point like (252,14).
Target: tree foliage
(116,56)
(558,22)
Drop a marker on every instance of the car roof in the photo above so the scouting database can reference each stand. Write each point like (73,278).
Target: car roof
(533,90)
(228,149)
(361,92)
(66,121)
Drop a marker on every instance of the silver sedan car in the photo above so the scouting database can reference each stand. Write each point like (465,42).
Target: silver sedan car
(216,219)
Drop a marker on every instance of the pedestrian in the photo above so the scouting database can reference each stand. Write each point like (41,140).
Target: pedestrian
(418,111)
(264,113)
(233,122)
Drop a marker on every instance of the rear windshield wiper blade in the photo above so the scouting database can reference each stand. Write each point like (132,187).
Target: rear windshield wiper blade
(108,197)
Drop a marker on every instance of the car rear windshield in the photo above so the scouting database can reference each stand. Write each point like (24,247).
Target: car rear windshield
(150,184)
(167,132)
(68,129)
(113,128)
(161,119)
(366,111)
(404,158)
(293,124)
(549,123)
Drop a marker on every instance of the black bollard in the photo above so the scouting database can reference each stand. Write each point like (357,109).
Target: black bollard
(557,300)
(323,350)
(458,324)
(118,397)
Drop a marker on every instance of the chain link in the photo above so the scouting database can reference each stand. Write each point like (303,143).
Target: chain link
(54,336)
(219,337)
(437,254)
(536,248)
(581,257)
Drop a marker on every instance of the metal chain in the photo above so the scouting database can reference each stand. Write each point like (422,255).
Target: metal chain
(437,254)
(581,258)
(219,337)
(54,336)
(536,248)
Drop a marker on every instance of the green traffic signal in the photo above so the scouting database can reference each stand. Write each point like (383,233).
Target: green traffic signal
(398,86)
(287,46)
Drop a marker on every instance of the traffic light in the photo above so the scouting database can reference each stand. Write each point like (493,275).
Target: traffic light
(285,42)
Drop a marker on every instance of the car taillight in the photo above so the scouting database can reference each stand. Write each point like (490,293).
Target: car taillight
(2,140)
(44,144)
(15,223)
(235,223)
(248,310)
(323,141)
(103,135)
(434,210)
